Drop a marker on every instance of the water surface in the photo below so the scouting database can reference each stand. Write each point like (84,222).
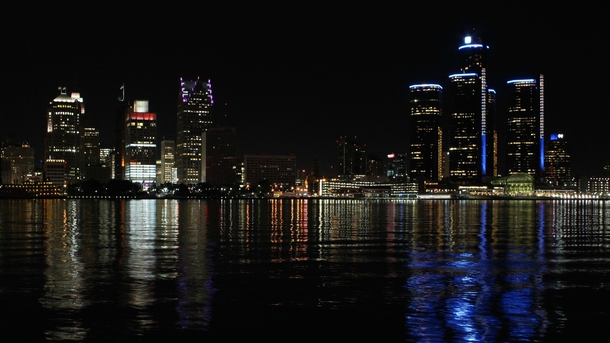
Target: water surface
(304,270)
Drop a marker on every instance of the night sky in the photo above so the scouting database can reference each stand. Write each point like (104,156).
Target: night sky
(294,77)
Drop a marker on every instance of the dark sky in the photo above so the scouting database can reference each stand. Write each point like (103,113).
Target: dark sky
(295,76)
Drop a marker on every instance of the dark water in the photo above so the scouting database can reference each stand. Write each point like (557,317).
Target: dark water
(304,270)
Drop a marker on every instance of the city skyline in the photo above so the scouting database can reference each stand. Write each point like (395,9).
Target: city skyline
(295,82)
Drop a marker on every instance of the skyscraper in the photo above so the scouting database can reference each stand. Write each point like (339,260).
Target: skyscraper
(167,165)
(557,162)
(525,127)
(63,132)
(221,155)
(193,118)
(89,150)
(121,113)
(140,144)
(352,159)
(425,132)
(471,136)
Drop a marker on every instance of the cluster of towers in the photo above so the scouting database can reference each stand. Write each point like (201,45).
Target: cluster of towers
(199,153)
(463,146)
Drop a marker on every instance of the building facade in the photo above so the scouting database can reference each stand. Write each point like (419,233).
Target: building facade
(351,158)
(557,162)
(525,127)
(62,139)
(279,170)
(425,132)
(473,139)
(166,172)
(18,163)
(140,144)
(193,118)
(221,155)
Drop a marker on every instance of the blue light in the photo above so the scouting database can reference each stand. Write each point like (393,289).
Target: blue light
(541,153)
(463,75)
(424,85)
(522,81)
(484,154)
(468,46)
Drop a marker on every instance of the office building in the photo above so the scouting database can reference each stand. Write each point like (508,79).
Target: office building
(62,139)
(193,118)
(89,151)
(396,169)
(120,116)
(471,134)
(221,155)
(140,144)
(557,162)
(18,163)
(351,158)
(425,132)
(525,127)
(278,170)
(166,172)
(55,172)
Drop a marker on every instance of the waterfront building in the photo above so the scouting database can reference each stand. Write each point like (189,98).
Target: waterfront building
(525,127)
(140,144)
(19,163)
(598,186)
(338,188)
(62,139)
(220,155)
(472,135)
(351,158)
(425,132)
(396,170)
(557,162)
(55,172)
(278,170)
(89,151)
(167,172)
(193,118)
(122,110)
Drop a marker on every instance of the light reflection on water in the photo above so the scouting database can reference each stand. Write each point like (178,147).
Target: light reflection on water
(429,271)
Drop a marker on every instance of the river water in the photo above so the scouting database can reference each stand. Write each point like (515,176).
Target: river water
(304,270)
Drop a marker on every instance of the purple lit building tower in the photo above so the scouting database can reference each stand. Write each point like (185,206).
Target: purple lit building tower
(194,117)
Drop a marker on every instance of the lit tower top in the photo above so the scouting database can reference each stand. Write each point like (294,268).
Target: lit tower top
(474,53)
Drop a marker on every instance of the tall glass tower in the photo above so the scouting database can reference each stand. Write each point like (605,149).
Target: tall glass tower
(425,132)
(141,144)
(194,117)
(62,140)
(472,135)
(525,127)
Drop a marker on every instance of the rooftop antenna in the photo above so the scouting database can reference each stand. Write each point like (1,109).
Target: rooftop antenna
(122,95)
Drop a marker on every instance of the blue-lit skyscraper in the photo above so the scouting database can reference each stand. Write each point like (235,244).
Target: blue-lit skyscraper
(525,127)
(472,136)
(557,162)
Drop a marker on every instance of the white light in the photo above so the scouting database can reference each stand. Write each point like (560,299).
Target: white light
(467,40)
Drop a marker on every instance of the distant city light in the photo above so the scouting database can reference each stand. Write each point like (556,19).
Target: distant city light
(425,85)
(463,75)
(522,81)
(468,46)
